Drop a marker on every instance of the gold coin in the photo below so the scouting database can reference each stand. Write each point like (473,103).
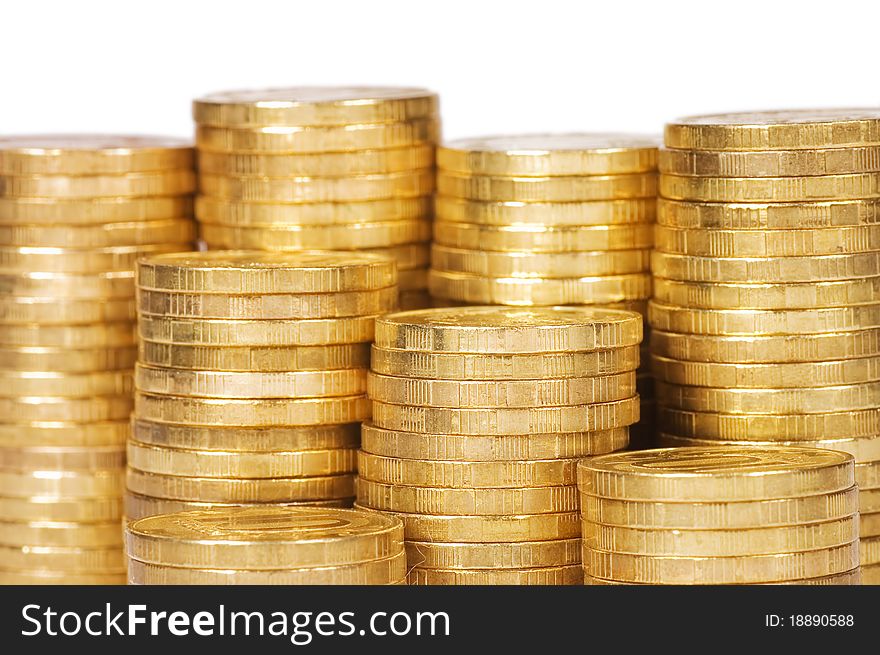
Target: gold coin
(76,410)
(720,515)
(254,272)
(490,448)
(716,474)
(573,188)
(490,556)
(788,129)
(805,400)
(765,349)
(413,280)
(140,233)
(868,475)
(57,433)
(671,318)
(540,155)
(257,384)
(721,543)
(512,238)
(745,427)
(242,332)
(749,569)
(308,139)
(527,366)
(237,412)
(139,507)
(861,448)
(573,418)
(387,570)
(484,529)
(255,358)
(869,524)
(774,243)
(92,212)
(68,336)
(494,393)
(767,216)
(78,560)
(531,265)
(502,213)
(246,439)
(68,484)
(240,464)
(869,500)
(464,501)
(770,189)
(853,577)
(771,163)
(59,578)
(271,306)
(871,574)
(59,509)
(259,538)
(322,164)
(352,188)
(790,295)
(268,215)
(571,574)
(315,105)
(766,376)
(869,550)
(167,182)
(116,284)
(34,533)
(538,291)
(48,458)
(82,261)
(508,330)
(19,360)
(234,490)
(55,311)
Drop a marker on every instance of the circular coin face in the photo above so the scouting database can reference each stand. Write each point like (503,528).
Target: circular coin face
(784,117)
(541,144)
(50,144)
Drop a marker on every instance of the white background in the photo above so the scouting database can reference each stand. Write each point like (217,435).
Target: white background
(541,65)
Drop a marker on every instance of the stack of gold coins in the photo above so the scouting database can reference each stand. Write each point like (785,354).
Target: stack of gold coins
(548,219)
(267,545)
(737,515)
(251,377)
(766,310)
(321,168)
(479,417)
(76,211)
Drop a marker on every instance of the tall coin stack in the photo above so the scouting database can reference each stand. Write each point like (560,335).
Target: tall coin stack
(737,515)
(76,211)
(251,379)
(268,545)
(766,310)
(547,219)
(479,417)
(310,168)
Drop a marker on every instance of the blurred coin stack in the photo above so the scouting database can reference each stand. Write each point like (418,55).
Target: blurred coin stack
(737,515)
(766,309)
(548,219)
(251,377)
(330,168)
(76,211)
(268,545)
(479,417)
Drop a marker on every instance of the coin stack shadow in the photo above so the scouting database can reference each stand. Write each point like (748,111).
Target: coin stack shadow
(251,379)
(266,545)
(548,219)
(766,310)
(739,515)
(333,168)
(75,213)
(479,417)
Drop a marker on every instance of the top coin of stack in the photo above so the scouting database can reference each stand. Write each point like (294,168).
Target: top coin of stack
(251,379)
(766,309)
(320,168)
(722,515)
(267,545)
(76,211)
(479,417)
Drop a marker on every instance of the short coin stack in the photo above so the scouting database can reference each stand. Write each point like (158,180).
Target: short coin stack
(267,545)
(479,417)
(310,168)
(76,211)
(766,309)
(737,515)
(251,380)
(546,219)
